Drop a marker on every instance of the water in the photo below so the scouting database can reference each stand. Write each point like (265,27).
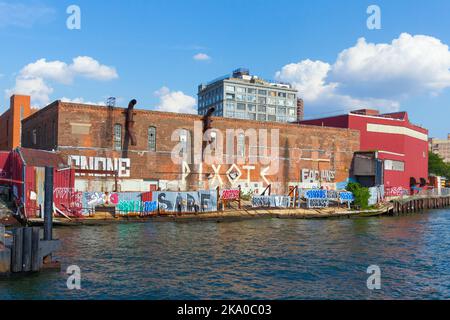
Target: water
(257,259)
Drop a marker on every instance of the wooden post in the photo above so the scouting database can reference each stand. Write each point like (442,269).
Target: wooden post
(16,254)
(26,254)
(35,258)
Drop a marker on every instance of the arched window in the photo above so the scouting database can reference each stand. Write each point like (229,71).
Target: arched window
(152,139)
(117,137)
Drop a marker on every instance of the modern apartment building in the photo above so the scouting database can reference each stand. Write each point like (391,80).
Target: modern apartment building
(244,96)
(441,147)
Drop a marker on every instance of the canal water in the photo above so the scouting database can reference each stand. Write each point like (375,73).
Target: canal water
(257,259)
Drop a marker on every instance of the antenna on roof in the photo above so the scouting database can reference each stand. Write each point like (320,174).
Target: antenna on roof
(111,102)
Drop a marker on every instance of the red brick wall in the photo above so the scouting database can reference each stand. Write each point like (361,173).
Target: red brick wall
(88,131)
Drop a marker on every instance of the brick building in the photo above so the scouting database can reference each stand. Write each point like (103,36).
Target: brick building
(441,147)
(95,138)
(10,122)
(398,148)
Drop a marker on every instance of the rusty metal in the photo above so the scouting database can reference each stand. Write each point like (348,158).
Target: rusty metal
(130,122)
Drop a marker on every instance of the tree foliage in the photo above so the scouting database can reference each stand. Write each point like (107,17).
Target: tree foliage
(361,195)
(437,166)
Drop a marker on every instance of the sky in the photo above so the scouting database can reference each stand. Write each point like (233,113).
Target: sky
(159,51)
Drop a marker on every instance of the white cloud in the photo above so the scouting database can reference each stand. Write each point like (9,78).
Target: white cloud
(82,101)
(175,101)
(24,15)
(202,57)
(91,68)
(65,73)
(373,75)
(32,79)
(33,86)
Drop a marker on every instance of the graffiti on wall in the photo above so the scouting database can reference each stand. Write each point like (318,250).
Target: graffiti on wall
(272,201)
(120,165)
(230,194)
(314,176)
(396,191)
(320,198)
(201,201)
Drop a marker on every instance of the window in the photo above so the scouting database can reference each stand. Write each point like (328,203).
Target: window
(271,101)
(230,106)
(241,145)
(281,102)
(251,108)
(290,103)
(240,97)
(251,91)
(262,100)
(262,92)
(394,165)
(292,112)
(240,90)
(282,94)
(262,109)
(229,88)
(272,93)
(291,96)
(34,136)
(252,116)
(240,106)
(152,139)
(271,118)
(230,96)
(271,110)
(261,117)
(251,98)
(118,137)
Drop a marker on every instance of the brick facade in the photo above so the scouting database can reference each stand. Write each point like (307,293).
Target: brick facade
(85,133)
(10,122)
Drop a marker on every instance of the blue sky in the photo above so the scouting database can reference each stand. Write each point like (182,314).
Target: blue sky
(145,49)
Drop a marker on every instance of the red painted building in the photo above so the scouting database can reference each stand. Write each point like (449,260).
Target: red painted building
(400,147)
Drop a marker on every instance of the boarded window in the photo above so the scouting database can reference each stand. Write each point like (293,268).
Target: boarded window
(118,137)
(152,138)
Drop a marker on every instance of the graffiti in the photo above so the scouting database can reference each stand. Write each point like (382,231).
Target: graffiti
(314,176)
(3,173)
(318,203)
(231,194)
(62,193)
(201,201)
(273,201)
(396,191)
(320,198)
(376,195)
(137,206)
(316,194)
(346,197)
(120,165)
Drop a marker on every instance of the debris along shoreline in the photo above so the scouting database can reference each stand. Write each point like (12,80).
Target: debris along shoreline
(229,215)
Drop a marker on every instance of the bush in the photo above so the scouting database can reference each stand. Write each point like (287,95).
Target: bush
(361,195)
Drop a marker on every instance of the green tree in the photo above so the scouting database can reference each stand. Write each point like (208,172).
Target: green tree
(437,166)
(361,195)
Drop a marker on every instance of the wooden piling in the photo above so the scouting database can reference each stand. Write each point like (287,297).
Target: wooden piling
(26,250)
(16,254)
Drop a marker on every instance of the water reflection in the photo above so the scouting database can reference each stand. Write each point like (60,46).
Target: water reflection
(259,259)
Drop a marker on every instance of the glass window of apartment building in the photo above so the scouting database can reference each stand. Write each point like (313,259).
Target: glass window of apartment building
(117,136)
(271,110)
(229,88)
(262,100)
(251,91)
(281,102)
(261,117)
(240,106)
(251,98)
(152,139)
(251,108)
(271,117)
(252,116)
(282,94)
(272,101)
(262,92)
(262,109)
(230,96)
(240,97)
(292,112)
(230,105)
(272,93)
(240,90)
(290,103)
